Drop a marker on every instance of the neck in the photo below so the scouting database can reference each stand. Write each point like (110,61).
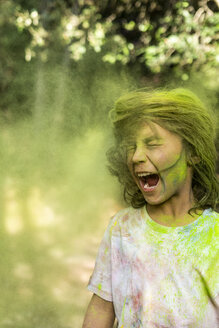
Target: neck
(174,212)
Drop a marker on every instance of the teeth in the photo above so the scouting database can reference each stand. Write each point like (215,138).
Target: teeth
(143,174)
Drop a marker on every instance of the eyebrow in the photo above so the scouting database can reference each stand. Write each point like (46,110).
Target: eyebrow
(152,138)
(146,140)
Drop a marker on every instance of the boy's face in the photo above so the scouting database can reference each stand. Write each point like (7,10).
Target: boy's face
(156,159)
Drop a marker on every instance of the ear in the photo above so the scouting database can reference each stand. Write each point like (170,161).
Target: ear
(193,160)
(196,159)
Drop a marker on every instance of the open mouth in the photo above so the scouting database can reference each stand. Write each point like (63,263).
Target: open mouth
(148,181)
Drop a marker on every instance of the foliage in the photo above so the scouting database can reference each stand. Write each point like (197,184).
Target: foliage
(154,38)
(181,34)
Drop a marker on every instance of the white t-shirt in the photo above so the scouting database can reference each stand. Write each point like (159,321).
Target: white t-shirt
(159,276)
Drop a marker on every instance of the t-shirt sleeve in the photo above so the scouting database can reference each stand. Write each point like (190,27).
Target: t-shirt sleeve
(100,282)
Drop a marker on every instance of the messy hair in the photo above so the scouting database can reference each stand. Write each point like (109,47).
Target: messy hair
(181,112)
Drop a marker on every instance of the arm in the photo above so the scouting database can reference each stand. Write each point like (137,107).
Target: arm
(100,313)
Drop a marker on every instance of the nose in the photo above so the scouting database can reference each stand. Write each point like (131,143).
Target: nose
(139,156)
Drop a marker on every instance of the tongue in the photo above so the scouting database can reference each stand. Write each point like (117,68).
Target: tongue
(152,180)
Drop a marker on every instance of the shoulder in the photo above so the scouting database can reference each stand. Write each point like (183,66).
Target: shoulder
(213,214)
(212,218)
(127,214)
(215,222)
(126,220)
(209,229)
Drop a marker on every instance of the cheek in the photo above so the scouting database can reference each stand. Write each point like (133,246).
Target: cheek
(130,168)
(176,175)
(128,159)
(128,162)
(163,160)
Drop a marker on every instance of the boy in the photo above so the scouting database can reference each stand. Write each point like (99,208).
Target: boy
(157,264)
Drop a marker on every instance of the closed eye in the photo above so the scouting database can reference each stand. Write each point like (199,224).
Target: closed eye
(130,148)
(153,145)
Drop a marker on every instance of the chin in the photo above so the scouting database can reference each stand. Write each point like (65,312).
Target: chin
(156,201)
(153,203)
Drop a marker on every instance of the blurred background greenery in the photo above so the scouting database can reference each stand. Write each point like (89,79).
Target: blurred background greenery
(62,65)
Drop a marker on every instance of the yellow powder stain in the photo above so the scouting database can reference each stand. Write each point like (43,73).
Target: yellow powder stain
(111,229)
(99,286)
(114,224)
(123,312)
(217,230)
